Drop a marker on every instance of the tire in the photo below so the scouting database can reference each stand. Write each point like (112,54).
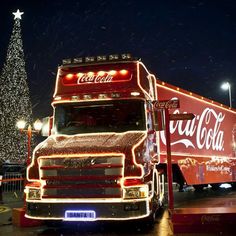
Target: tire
(53,223)
(233,186)
(215,186)
(199,187)
(150,220)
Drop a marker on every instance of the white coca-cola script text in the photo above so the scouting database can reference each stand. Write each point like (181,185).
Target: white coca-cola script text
(203,132)
(85,78)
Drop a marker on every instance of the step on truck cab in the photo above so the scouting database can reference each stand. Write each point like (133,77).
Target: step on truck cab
(100,161)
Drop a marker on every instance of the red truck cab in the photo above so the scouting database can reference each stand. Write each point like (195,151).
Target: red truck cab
(100,161)
(106,155)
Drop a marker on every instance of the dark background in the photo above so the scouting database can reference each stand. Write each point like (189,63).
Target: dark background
(188,43)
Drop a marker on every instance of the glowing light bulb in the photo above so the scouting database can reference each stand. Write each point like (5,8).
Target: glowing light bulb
(101,73)
(112,72)
(69,76)
(79,75)
(21,124)
(123,72)
(90,73)
(38,125)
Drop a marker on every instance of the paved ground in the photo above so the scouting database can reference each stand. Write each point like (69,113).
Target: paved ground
(10,201)
(161,227)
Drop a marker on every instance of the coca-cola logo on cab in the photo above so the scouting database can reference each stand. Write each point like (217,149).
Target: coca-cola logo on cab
(203,132)
(86,78)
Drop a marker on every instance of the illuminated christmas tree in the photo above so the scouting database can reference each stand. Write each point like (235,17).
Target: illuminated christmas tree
(14,98)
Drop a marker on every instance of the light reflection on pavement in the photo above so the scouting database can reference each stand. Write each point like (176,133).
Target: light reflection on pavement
(161,227)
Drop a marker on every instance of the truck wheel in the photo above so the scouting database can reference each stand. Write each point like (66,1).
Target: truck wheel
(233,185)
(155,201)
(150,221)
(53,223)
(215,186)
(199,187)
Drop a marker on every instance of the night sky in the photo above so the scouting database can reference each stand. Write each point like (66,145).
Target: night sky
(188,43)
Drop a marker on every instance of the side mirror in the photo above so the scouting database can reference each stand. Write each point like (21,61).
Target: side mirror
(47,126)
(159,120)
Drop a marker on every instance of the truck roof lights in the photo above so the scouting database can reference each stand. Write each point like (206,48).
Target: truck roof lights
(126,56)
(78,60)
(100,58)
(113,57)
(89,59)
(66,61)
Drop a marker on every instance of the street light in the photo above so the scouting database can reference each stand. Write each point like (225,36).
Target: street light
(21,124)
(227,86)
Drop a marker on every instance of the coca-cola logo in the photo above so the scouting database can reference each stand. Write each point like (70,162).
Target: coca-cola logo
(166,104)
(86,78)
(203,132)
(210,218)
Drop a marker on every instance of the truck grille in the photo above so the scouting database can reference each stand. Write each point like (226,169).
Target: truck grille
(82,176)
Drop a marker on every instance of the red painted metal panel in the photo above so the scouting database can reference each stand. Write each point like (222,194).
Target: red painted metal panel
(87,78)
(84,196)
(87,177)
(100,185)
(202,220)
(203,147)
(86,167)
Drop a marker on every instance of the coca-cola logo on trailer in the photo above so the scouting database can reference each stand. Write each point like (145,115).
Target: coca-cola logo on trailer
(203,132)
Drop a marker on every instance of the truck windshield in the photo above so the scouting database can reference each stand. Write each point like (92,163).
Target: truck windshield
(107,116)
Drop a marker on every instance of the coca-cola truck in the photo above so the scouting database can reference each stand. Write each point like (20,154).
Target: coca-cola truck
(105,156)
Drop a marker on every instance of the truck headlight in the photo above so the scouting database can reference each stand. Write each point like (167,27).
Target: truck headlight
(34,194)
(136,192)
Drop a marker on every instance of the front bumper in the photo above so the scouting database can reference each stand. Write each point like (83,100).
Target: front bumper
(104,211)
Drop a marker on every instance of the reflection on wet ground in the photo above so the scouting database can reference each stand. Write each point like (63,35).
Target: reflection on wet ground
(162,226)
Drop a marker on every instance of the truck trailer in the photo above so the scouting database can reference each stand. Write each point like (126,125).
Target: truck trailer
(105,155)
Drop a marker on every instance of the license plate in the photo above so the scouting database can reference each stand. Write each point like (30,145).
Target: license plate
(80,215)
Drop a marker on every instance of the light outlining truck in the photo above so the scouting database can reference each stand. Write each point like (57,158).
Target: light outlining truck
(105,156)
